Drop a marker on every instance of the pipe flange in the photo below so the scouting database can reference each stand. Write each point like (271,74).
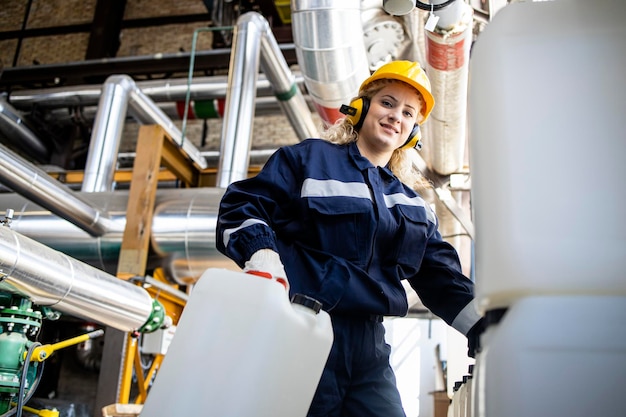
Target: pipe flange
(383,41)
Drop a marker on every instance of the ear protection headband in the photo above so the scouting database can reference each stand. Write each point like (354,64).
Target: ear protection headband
(356,112)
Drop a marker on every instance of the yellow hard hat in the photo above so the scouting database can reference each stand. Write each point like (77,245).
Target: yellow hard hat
(411,73)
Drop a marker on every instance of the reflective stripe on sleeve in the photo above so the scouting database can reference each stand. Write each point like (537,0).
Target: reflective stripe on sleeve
(467,318)
(243,225)
(333,188)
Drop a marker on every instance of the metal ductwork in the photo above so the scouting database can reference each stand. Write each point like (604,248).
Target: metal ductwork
(159,91)
(447,50)
(183,230)
(68,105)
(119,94)
(36,185)
(210,108)
(254,46)
(328,36)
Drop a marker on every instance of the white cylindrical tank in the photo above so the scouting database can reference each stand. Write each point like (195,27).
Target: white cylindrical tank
(242,348)
(548,155)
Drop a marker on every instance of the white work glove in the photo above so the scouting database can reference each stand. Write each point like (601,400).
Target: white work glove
(266,263)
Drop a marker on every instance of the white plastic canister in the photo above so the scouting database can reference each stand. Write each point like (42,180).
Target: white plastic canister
(548,155)
(242,349)
(554,356)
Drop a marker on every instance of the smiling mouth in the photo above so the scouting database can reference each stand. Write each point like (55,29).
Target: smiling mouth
(388,127)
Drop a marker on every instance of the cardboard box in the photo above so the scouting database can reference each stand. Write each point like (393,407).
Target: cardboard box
(442,402)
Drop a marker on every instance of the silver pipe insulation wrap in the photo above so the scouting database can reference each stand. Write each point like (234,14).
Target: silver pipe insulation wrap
(201,88)
(14,129)
(253,44)
(242,76)
(166,93)
(119,94)
(147,112)
(448,69)
(106,135)
(284,85)
(328,36)
(183,231)
(51,278)
(264,106)
(36,185)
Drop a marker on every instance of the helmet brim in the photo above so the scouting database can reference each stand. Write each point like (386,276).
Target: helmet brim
(426,94)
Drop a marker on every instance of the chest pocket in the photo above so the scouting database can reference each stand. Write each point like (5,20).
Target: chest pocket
(412,235)
(344,226)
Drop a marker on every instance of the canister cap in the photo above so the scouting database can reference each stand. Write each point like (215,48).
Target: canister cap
(306,301)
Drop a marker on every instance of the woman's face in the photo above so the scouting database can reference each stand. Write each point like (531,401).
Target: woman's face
(392,113)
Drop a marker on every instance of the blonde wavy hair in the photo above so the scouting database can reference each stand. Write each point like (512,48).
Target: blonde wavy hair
(343,132)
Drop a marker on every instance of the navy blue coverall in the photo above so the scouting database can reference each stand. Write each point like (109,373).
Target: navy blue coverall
(347,233)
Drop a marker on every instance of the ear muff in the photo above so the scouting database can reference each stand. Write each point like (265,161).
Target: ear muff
(414,140)
(356,111)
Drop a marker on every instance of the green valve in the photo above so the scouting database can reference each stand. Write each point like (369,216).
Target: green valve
(19,323)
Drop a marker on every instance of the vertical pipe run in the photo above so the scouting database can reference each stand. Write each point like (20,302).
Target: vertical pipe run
(447,53)
(328,36)
(107,134)
(242,76)
(282,80)
(253,45)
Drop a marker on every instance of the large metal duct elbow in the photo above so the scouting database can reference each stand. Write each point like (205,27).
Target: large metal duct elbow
(328,37)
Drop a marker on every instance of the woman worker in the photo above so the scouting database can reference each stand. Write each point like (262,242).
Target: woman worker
(341,219)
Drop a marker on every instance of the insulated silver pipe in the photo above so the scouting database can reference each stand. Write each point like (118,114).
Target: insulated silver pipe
(328,36)
(446,132)
(242,77)
(36,185)
(106,135)
(12,125)
(51,278)
(284,85)
(174,89)
(264,106)
(253,43)
(118,95)
(183,230)
(35,222)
